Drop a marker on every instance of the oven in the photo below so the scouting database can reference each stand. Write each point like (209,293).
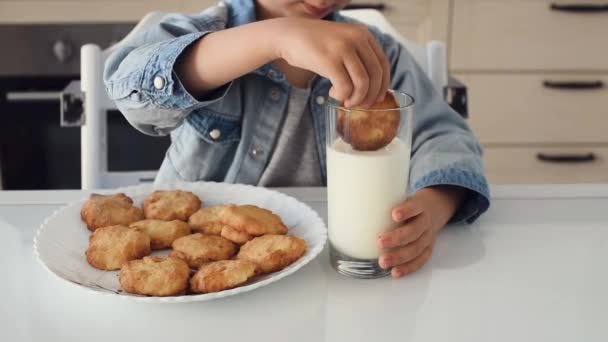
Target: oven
(37,151)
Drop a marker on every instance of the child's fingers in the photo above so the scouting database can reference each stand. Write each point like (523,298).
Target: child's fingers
(359,77)
(374,70)
(385,65)
(341,85)
(413,265)
(407,210)
(403,235)
(407,253)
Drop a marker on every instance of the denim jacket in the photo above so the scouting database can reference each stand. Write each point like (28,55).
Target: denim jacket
(228,136)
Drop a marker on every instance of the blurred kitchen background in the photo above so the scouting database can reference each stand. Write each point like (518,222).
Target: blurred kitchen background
(535,72)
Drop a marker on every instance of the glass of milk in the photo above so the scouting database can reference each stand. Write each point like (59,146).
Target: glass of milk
(363,187)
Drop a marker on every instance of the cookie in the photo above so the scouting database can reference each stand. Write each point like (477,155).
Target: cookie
(109,210)
(171,205)
(155,276)
(252,220)
(197,249)
(371,129)
(207,220)
(272,252)
(221,275)
(162,233)
(111,247)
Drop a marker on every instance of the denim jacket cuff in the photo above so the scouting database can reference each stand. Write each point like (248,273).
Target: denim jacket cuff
(164,86)
(477,200)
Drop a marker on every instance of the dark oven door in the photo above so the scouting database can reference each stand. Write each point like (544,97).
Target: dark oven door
(37,153)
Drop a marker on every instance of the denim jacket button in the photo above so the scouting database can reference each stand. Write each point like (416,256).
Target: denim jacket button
(320,100)
(275,95)
(159,82)
(256,153)
(215,134)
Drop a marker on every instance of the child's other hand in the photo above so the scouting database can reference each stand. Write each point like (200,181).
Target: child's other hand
(346,54)
(410,246)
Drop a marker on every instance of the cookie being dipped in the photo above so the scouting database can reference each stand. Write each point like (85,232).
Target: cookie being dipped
(370,129)
(109,210)
(155,276)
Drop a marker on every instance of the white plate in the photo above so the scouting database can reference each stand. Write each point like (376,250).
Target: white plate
(63,238)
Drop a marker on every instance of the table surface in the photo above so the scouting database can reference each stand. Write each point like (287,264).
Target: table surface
(534,268)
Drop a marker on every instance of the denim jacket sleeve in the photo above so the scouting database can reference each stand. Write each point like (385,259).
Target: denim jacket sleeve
(444,150)
(139,75)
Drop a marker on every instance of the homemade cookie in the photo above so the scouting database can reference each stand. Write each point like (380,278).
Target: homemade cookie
(237,236)
(252,220)
(370,129)
(207,220)
(162,233)
(109,210)
(221,275)
(155,276)
(197,249)
(110,247)
(171,205)
(272,252)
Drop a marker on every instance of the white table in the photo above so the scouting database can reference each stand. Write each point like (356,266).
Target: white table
(534,268)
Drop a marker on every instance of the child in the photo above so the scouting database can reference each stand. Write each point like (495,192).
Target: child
(241,89)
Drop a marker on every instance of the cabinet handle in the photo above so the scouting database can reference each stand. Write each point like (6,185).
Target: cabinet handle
(377,6)
(580,8)
(566,157)
(573,84)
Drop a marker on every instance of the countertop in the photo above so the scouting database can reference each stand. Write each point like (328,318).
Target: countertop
(533,268)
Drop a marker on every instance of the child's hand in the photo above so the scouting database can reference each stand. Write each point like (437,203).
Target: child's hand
(346,54)
(425,213)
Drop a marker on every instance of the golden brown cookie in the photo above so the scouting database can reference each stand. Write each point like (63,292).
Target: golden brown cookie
(237,236)
(110,247)
(155,276)
(109,210)
(221,275)
(171,205)
(272,252)
(162,233)
(197,249)
(207,220)
(252,220)
(372,129)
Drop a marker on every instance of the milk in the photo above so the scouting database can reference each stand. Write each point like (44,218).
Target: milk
(363,187)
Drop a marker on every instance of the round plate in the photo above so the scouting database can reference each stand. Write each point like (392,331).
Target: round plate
(63,238)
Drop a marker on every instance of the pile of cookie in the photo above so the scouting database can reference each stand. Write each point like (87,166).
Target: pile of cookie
(213,248)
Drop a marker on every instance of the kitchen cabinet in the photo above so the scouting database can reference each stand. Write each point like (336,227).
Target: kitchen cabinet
(419,20)
(537,76)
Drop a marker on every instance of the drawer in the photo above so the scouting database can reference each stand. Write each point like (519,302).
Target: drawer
(527,35)
(519,108)
(523,166)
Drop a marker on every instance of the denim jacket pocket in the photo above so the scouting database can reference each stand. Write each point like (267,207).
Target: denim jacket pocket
(204,146)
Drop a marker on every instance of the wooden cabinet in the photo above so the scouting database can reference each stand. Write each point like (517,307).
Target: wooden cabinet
(554,165)
(527,35)
(537,77)
(538,108)
(418,20)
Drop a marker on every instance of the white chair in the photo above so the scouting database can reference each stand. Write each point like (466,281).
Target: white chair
(95,175)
